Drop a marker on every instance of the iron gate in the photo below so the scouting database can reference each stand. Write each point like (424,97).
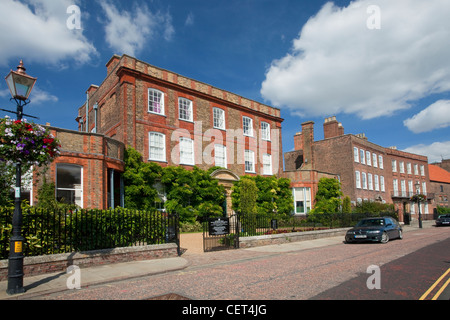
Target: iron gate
(221,233)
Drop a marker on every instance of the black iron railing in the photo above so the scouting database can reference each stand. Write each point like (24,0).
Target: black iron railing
(51,232)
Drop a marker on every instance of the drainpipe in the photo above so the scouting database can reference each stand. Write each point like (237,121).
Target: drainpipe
(87,112)
(95,117)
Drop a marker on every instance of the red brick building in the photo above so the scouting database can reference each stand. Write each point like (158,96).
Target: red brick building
(174,120)
(440,184)
(366,171)
(87,173)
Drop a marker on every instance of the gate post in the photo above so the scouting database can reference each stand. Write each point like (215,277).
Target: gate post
(236,233)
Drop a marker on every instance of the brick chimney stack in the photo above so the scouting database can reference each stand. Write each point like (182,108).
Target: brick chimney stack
(332,128)
(298,141)
(308,141)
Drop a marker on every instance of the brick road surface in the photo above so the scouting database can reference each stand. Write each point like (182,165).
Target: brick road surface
(261,273)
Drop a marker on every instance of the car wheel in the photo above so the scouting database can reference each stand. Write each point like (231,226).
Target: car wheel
(384,237)
(400,234)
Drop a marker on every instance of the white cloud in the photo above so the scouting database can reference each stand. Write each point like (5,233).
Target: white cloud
(39,96)
(337,64)
(190,19)
(435,116)
(435,151)
(37,31)
(128,32)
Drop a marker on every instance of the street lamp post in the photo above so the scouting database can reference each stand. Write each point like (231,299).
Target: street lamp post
(20,85)
(418,203)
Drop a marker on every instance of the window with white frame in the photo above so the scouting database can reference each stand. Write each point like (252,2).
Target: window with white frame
(376,181)
(358,179)
(416,169)
(364,180)
(380,161)
(265,131)
(186,151)
(220,155)
(394,165)
(267,164)
(368,159)
(69,184)
(370,181)
(362,156)
(219,118)
(374,160)
(156,146)
(409,168)
(424,187)
(247,125)
(382,189)
(403,187)
(185,109)
(395,185)
(422,170)
(249,157)
(402,166)
(155,101)
(302,200)
(355,154)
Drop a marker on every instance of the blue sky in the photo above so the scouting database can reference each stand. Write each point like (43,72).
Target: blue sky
(380,66)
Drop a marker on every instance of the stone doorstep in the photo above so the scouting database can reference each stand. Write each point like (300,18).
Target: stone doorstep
(59,262)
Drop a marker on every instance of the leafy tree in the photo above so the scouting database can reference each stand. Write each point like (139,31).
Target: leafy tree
(248,195)
(328,196)
(193,194)
(346,205)
(139,179)
(273,195)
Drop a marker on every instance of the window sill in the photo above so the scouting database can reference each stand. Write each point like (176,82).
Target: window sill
(158,114)
(155,160)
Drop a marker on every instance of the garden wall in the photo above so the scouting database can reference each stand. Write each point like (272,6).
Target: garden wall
(255,241)
(60,262)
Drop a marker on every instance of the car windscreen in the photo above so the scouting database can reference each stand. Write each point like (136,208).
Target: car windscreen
(370,223)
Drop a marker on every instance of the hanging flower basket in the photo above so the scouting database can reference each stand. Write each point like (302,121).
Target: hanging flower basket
(418,197)
(26,143)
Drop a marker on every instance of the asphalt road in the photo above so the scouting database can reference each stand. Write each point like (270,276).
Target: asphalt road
(407,268)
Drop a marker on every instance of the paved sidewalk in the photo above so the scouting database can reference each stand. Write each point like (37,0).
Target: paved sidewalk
(56,282)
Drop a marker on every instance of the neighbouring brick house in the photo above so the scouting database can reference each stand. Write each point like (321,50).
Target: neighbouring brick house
(87,173)
(440,184)
(366,171)
(174,120)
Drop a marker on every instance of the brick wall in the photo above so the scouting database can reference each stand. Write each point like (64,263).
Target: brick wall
(60,262)
(123,113)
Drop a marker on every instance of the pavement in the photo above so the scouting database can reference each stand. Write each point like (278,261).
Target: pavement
(56,282)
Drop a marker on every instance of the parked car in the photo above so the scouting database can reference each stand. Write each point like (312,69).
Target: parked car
(380,229)
(443,220)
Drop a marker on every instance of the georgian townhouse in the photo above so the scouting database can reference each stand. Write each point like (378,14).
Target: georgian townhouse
(174,120)
(366,170)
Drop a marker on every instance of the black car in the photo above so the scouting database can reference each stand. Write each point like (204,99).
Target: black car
(380,229)
(443,220)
